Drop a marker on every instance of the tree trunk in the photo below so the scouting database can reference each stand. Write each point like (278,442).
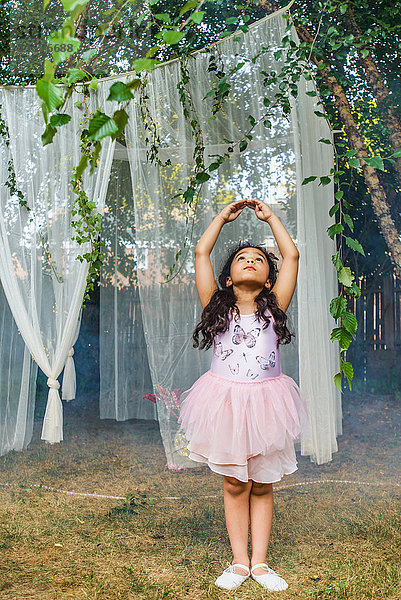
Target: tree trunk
(382,93)
(379,200)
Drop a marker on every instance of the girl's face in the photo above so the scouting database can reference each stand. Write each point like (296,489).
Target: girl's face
(249,265)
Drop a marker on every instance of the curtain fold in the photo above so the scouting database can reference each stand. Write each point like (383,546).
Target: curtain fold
(43,281)
(69,385)
(17,384)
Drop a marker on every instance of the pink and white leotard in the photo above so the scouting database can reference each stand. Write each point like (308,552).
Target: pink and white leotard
(246,352)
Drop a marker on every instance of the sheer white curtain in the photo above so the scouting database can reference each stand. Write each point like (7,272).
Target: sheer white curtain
(271,168)
(126,389)
(17,383)
(37,248)
(317,283)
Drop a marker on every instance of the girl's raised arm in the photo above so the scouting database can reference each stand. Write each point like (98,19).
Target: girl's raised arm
(287,276)
(204,276)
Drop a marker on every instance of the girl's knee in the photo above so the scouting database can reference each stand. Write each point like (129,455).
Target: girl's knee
(261,489)
(234,486)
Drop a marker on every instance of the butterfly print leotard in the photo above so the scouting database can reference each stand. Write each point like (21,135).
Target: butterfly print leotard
(246,352)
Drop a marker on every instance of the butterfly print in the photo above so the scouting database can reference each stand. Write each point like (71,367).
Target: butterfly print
(222,353)
(252,375)
(249,338)
(234,370)
(265,363)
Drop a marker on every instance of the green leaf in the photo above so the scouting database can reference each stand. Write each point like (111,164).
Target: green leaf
(231,20)
(213,166)
(355,245)
(351,153)
(152,51)
(188,6)
(88,54)
(94,159)
(172,36)
(144,64)
(356,289)
(336,260)
(101,126)
(364,52)
(70,5)
(163,17)
(202,177)
(345,276)
(51,95)
(119,92)
(348,371)
(325,180)
(334,209)
(48,134)
(376,162)
(134,84)
(101,28)
(325,141)
(343,8)
(338,306)
(349,222)
(189,193)
(348,205)
(309,179)
(121,118)
(348,320)
(83,163)
(339,194)
(342,336)
(59,119)
(243,145)
(396,154)
(94,83)
(197,16)
(335,229)
(337,381)
(74,75)
(354,162)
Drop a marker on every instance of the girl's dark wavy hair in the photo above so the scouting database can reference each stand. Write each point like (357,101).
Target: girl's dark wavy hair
(215,315)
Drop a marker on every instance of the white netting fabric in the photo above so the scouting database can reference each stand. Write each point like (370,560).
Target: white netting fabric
(155,226)
(43,281)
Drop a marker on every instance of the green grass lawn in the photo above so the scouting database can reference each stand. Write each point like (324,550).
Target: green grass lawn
(329,541)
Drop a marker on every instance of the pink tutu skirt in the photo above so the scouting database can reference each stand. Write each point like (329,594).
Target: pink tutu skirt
(244,430)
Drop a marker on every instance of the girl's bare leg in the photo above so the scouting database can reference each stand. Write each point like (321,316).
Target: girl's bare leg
(261,509)
(236,507)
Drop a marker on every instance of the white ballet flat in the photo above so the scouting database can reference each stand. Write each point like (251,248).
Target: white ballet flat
(269,580)
(229,580)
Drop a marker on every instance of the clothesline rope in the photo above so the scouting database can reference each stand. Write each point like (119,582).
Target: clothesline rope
(279,489)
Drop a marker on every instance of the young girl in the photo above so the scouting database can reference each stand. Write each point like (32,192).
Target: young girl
(243,415)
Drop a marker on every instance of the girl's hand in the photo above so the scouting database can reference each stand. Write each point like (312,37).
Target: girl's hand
(262,210)
(233,210)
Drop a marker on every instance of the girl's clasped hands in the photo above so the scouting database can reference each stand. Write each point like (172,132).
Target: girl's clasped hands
(233,210)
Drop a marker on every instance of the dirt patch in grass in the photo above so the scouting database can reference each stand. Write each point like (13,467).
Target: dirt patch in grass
(330,541)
